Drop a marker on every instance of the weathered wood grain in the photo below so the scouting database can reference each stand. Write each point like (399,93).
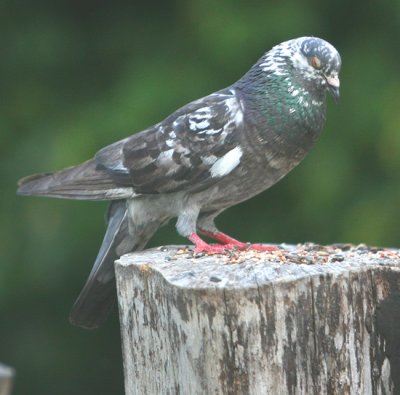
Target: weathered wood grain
(306,320)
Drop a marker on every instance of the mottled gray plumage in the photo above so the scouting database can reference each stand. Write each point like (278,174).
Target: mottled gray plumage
(207,156)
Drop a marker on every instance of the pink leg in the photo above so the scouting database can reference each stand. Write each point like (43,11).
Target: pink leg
(223,238)
(201,246)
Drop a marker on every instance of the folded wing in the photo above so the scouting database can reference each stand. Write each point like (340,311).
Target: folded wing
(183,152)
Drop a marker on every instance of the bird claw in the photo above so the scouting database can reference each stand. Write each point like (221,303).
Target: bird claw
(215,248)
(231,245)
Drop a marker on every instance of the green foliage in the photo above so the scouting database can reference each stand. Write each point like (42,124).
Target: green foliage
(77,75)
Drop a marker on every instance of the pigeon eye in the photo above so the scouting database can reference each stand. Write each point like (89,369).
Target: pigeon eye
(315,62)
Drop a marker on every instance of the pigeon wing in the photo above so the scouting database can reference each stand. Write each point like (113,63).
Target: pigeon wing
(189,150)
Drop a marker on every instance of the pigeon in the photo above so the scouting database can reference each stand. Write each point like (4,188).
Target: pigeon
(205,157)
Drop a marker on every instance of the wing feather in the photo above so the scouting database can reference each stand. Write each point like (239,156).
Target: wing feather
(178,153)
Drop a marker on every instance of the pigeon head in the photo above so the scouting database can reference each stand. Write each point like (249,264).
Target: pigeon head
(320,62)
(308,61)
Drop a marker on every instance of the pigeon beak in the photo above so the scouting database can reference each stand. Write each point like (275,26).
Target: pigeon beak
(333,86)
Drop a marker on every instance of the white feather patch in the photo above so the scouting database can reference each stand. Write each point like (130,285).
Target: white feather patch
(165,156)
(227,163)
(118,167)
(120,193)
(234,108)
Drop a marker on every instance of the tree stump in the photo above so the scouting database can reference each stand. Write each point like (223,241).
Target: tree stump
(6,379)
(307,319)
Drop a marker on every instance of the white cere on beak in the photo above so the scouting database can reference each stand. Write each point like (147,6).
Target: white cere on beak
(333,81)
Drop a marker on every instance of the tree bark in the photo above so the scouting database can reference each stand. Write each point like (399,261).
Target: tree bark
(307,319)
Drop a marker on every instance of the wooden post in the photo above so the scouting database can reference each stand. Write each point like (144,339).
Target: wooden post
(307,319)
(6,379)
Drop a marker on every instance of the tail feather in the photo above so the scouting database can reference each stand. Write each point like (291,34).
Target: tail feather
(97,297)
(84,181)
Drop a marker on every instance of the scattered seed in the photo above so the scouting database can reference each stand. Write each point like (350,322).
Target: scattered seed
(215,279)
(337,258)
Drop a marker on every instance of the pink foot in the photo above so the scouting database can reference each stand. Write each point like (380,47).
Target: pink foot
(223,238)
(201,246)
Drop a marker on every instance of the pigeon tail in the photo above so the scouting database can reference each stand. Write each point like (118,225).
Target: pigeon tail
(97,297)
(82,182)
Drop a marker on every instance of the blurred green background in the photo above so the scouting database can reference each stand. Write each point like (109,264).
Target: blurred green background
(78,75)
